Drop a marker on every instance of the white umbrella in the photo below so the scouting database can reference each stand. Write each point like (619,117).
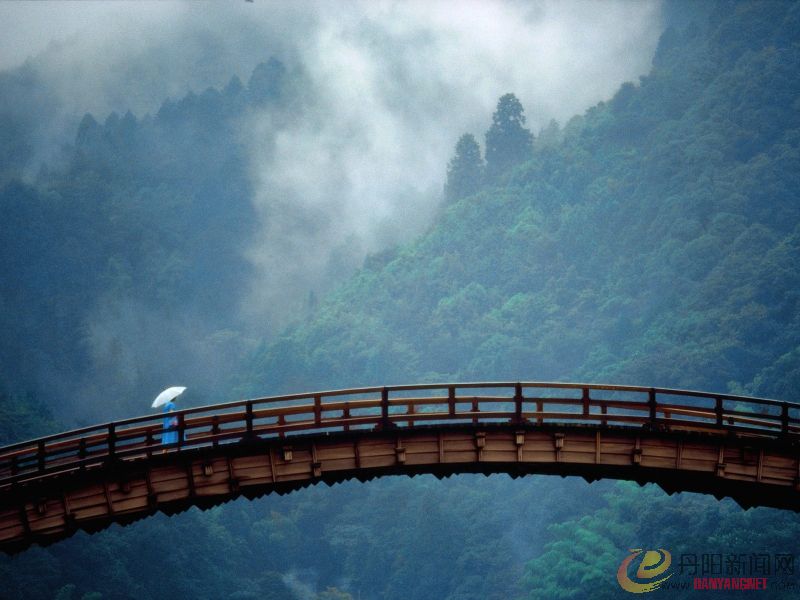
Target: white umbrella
(167,395)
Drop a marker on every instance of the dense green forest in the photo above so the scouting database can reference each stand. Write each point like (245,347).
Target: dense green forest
(652,240)
(128,257)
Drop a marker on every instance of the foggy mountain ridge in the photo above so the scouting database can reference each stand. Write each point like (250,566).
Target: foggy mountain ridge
(229,210)
(374,74)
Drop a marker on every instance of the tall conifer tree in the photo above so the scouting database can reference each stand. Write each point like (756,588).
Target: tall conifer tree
(465,170)
(508,142)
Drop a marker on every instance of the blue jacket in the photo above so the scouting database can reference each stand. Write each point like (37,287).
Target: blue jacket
(170,435)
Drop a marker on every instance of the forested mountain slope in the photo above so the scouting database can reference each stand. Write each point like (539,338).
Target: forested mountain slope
(124,260)
(655,240)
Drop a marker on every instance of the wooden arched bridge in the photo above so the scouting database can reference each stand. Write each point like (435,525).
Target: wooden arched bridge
(745,448)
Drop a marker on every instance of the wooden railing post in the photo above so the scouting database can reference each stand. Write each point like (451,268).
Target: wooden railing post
(385,422)
(215,430)
(40,454)
(784,417)
(651,402)
(718,409)
(317,410)
(181,429)
(281,424)
(451,400)
(112,440)
(518,403)
(585,398)
(249,418)
(82,452)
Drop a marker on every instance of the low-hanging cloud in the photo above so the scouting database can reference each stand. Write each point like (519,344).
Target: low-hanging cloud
(394,84)
(389,88)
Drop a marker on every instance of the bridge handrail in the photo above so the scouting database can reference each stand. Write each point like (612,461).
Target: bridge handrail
(131,437)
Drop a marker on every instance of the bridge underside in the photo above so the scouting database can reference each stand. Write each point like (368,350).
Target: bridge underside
(753,471)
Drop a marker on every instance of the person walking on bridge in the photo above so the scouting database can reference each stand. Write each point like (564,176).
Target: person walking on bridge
(170,435)
(166,399)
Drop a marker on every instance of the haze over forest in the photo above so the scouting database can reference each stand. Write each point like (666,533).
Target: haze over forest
(377,96)
(270,197)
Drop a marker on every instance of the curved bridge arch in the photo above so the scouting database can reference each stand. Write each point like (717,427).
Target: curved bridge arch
(741,447)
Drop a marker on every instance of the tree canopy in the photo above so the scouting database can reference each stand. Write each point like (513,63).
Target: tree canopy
(508,142)
(465,170)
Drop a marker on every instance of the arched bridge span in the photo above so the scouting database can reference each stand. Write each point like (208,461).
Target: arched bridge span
(745,448)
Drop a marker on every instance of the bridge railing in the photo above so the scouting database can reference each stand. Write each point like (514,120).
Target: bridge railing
(520,403)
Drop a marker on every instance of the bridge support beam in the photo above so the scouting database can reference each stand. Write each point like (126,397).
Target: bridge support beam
(753,472)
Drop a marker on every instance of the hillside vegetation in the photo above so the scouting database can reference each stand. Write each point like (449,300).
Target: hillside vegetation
(652,240)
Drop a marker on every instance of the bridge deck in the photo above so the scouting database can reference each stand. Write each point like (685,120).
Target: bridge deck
(742,447)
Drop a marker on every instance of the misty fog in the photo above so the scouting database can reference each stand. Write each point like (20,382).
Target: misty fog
(386,87)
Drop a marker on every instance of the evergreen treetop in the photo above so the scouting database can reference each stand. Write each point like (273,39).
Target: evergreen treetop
(465,170)
(508,142)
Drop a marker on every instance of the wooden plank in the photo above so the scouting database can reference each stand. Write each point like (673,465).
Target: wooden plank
(47,525)
(216,489)
(658,451)
(117,496)
(581,445)
(422,458)
(741,471)
(170,485)
(257,461)
(253,473)
(93,513)
(616,459)
(87,491)
(340,464)
(190,478)
(130,505)
(459,445)
(164,474)
(249,481)
(368,462)
(778,461)
(499,455)
(218,477)
(88,503)
(151,495)
(542,456)
(172,496)
(335,451)
(777,474)
(657,462)
(272,470)
(597,447)
(459,456)
(415,447)
(13,530)
(580,458)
